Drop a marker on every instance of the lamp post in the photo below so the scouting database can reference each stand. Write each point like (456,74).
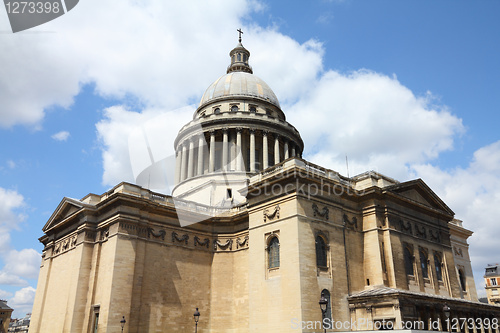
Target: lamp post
(323,304)
(196,316)
(122,322)
(447,310)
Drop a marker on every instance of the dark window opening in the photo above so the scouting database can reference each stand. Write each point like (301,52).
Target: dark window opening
(274,253)
(423,265)
(326,294)
(408,261)
(321,258)
(437,263)
(461,277)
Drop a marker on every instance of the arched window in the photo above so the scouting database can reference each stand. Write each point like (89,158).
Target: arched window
(326,294)
(423,264)
(234,108)
(216,111)
(321,258)
(274,253)
(245,58)
(461,277)
(408,261)
(239,56)
(437,263)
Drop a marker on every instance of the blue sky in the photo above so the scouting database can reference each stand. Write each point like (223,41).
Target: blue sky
(408,88)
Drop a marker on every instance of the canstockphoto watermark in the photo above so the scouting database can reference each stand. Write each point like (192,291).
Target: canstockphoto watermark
(359,324)
(28,14)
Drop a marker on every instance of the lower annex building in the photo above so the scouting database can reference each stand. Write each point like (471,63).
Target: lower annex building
(253,235)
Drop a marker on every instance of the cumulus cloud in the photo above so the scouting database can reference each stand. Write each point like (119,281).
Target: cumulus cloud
(10,203)
(374,120)
(473,193)
(61,136)
(25,263)
(11,279)
(22,302)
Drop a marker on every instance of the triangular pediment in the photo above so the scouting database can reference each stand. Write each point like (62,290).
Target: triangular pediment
(418,191)
(67,208)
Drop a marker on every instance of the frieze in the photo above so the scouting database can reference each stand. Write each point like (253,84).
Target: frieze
(420,231)
(242,243)
(458,251)
(206,242)
(271,216)
(352,224)
(405,227)
(184,238)
(434,235)
(323,213)
(65,244)
(160,234)
(228,245)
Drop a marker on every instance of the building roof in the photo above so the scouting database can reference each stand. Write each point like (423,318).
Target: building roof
(4,306)
(239,84)
(492,270)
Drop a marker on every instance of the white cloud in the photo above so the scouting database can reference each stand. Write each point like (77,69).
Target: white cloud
(11,164)
(474,194)
(22,302)
(61,136)
(11,280)
(374,120)
(5,294)
(10,202)
(25,263)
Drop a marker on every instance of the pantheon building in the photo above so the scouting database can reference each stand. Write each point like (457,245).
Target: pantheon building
(254,236)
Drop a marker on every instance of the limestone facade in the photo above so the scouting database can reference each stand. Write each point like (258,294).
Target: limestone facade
(492,283)
(276,233)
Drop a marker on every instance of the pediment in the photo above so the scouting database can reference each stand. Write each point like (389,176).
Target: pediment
(418,191)
(67,208)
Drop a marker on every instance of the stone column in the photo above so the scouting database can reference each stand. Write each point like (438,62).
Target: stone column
(211,162)
(225,149)
(191,159)
(252,150)
(201,147)
(276,149)
(184,162)
(293,151)
(178,166)
(265,154)
(239,151)
(287,152)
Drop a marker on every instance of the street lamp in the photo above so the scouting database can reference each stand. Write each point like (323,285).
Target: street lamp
(447,310)
(323,304)
(196,316)
(122,322)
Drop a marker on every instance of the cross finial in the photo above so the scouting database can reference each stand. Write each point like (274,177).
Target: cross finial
(240,32)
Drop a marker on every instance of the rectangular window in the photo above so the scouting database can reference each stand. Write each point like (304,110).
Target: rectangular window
(493,281)
(96,321)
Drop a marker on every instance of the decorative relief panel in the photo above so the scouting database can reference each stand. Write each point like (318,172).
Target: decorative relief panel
(434,235)
(184,238)
(65,244)
(420,231)
(351,224)
(160,234)
(458,251)
(205,243)
(243,243)
(275,214)
(405,227)
(321,213)
(228,245)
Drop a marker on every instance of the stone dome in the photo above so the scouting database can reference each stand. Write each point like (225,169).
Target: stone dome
(236,84)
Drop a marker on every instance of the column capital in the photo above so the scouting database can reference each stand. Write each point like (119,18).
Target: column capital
(239,129)
(225,129)
(212,131)
(265,132)
(252,130)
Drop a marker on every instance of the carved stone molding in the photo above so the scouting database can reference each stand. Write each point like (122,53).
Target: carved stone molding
(242,243)
(420,231)
(434,235)
(228,245)
(160,234)
(458,251)
(104,234)
(184,238)
(65,244)
(352,224)
(323,213)
(90,235)
(271,216)
(206,242)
